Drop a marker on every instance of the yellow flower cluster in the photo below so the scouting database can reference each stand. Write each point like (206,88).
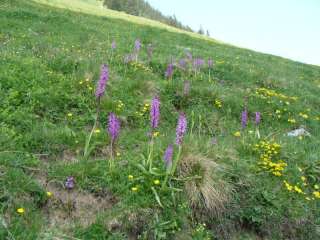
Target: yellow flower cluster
(310,194)
(156,134)
(268,93)
(145,108)
(237,134)
(291,120)
(218,103)
(316,194)
(140,66)
(120,105)
(87,83)
(304,115)
(268,153)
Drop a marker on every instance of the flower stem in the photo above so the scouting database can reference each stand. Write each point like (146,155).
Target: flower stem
(150,157)
(173,169)
(86,151)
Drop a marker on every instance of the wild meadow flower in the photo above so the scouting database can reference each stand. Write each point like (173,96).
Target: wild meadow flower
(113,45)
(182,64)
(113,127)
(198,63)
(104,77)
(69,183)
(155,112)
(257,118)
(237,134)
(20,210)
(137,45)
(130,177)
(244,118)
(169,71)
(181,128)
(168,154)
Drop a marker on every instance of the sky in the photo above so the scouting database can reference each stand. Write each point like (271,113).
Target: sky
(287,28)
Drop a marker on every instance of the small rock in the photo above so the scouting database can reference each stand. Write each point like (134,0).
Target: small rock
(298,132)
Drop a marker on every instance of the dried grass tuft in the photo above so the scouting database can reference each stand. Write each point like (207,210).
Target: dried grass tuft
(209,193)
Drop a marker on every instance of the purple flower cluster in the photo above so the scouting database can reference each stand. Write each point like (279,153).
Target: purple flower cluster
(137,45)
(181,128)
(169,71)
(168,155)
(182,64)
(155,112)
(244,118)
(257,118)
(104,77)
(69,183)
(198,63)
(113,127)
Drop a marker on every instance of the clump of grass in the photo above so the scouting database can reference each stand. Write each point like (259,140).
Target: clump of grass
(206,192)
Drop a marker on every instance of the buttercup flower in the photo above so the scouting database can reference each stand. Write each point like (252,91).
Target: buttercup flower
(20,210)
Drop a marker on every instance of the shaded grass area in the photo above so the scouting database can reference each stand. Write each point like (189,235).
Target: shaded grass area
(50,61)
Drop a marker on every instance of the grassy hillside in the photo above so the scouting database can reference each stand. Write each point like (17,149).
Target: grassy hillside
(234,179)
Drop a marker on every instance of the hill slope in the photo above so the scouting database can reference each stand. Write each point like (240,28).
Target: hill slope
(234,180)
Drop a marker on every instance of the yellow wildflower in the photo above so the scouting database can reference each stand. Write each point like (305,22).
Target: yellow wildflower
(297,189)
(130,177)
(316,194)
(156,182)
(303,115)
(97,131)
(156,134)
(134,189)
(291,120)
(277,173)
(237,134)
(69,114)
(49,194)
(20,210)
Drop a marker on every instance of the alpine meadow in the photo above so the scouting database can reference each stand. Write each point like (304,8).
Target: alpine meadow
(115,126)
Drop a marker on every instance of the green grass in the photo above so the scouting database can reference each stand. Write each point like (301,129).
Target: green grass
(50,63)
